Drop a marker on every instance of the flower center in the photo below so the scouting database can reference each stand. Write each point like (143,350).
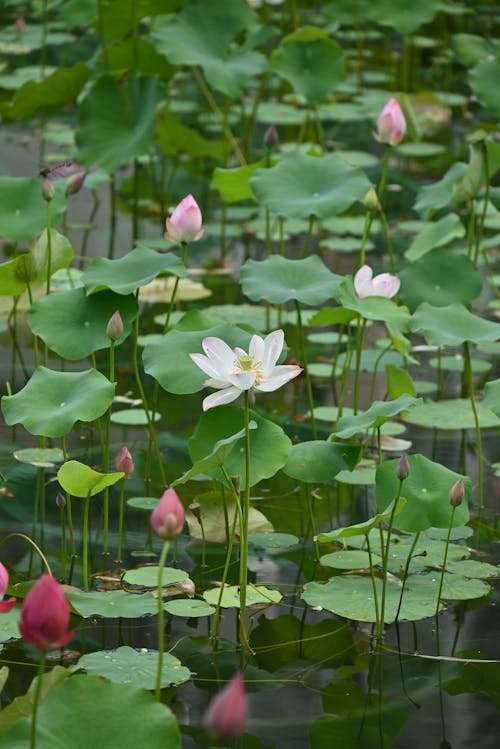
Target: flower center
(245,363)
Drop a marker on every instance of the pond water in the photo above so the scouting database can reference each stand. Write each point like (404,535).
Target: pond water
(370,598)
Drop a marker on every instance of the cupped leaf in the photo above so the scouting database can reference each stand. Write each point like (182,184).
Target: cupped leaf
(426,491)
(52,402)
(81,480)
(23,213)
(168,361)
(216,457)
(302,58)
(440,278)
(109,714)
(452,325)
(74,325)
(378,413)
(365,527)
(55,91)
(319,461)
(117,120)
(128,273)
(300,186)
(33,267)
(269,445)
(234,184)
(373,307)
(438,234)
(176,138)
(433,197)
(135,668)
(277,279)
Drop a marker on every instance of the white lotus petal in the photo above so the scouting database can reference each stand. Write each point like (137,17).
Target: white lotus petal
(220,398)
(242,380)
(273,346)
(221,356)
(279,376)
(363,275)
(214,382)
(256,348)
(204,363)
(239,352)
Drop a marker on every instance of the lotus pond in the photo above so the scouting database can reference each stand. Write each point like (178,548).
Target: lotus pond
(249,295)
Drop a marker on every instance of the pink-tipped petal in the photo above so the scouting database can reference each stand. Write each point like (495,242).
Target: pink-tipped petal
(221,356)
(363,275)
(6,606)
(280,376)
(273,346)
(242,380)
(204,363)
(221,397)
(256,349)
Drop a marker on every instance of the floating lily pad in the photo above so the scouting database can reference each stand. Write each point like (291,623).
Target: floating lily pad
(52,402)
(134,269)
(473,568)
(142,503)
(278,279)
(85,321)
(300,186)
(362,475)
(492,396)
(9,625)
(147,577)
(42,457)
(189,607)
(452,414)
(319,461)
(113,604)
(136,668)
(257,595)
(421,150)
(272,542)
(456,364)
(132,417)
(350,560)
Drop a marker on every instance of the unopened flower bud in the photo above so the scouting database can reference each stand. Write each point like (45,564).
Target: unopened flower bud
(45,615)
(370,201)
(457,493)
(20,26)
(124,462)
(236,481)
(227,713)
(184,225)
(48,191)
(60,500)
(391,124)
(114,330)
(75,183)
(5,606)
(403,468)
(167,518)
(271,137)
(195,508)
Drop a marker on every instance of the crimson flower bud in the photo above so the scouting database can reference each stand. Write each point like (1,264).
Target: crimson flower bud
(75,183)
(457,493)
(48,190)
(114,331)
(403,468)
(5,606)
(227,713)
(124,462)
(167,518)
(45,615)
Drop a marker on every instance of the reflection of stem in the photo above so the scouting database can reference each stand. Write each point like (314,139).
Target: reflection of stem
(36,699)
(405,575)
(161,630)
(385,560)
(372,577)
(443,568)
(306,370)
(470,382)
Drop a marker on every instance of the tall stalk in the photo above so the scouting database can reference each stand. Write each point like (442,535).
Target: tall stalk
(303,356)
(470,383)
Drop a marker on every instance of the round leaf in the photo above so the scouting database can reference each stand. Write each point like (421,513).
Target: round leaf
(80,480)
(319,462)
(256,595)
(189,607)
(23,212)
(135,269)
(52,402)
(113,604)
(44,457)
(349,560)
(147,577)
(136,668)
(440,278)
(452,325)
(455,413)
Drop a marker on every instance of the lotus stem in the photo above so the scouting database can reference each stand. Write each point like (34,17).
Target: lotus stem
(36,699)
(161,630)
(303,355)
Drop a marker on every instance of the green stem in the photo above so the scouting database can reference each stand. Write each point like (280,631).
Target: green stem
(36,699)
(105,541)
(311,519)
(306,370)
(120,522)
(405,573)
(366,234)
(388,243)
(470,382)
(383,176)
(68,505)
(161,629)
(244,529)
(49,246)
(85,549)
(112,224)
(480,228)
(385,559)
(372,577)
(443,568)
(360,332)
(307,243)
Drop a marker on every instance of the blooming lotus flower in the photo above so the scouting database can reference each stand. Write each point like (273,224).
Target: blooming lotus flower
(167,518)
(391,124)
(184,225)
(382,285)
(233,370)
(5,606)
(45,615)
(227,713)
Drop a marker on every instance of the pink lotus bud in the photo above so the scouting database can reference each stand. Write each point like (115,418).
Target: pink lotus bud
(457,493)
(124,462)
(184,225)
(271,137)
(5,606)
(391,124)
(114,330)
(227,713)
(48,190)
(60,500)
(75,183)
(167,518)
(20,26)
(403,468)
(45,615)
(382,285)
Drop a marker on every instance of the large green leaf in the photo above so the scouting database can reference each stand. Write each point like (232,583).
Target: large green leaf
(373,307)
(492,396)
(302,58)
(117,120)
(52,402)
(452,325)
(378,413)
(426,491)
(32,267)
(214,505)
(23,212)
(256,595)
(452,414)
(135,668)
(128,273)
(167,360)
(56,91)
(120,17)
(234,184)
(300,186)
(440,278)
(483,79)
(277,279)
(81,480)
(269,445)
(400,15)
(176,138)
(216,457)
(319,461)
(74,325)
(109,714)
(112,604)
(440,233)
(437,195)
